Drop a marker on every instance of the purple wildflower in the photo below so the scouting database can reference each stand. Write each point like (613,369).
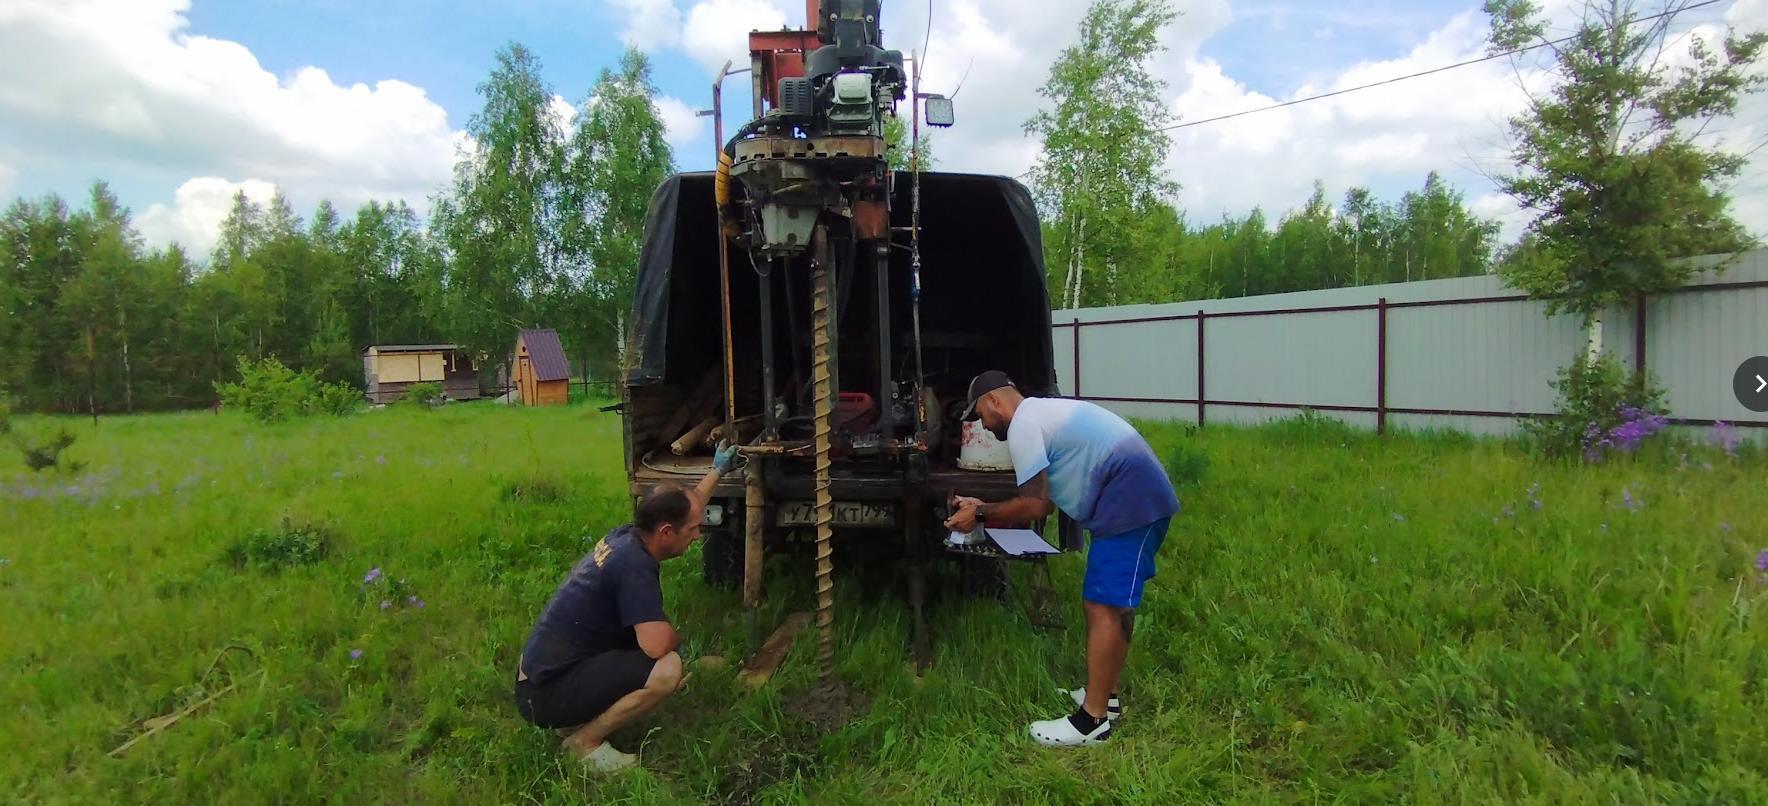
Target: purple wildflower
(1629,502)
(420,604)
(380,460)
(1509,511)
(1726,437)
(385,604)
(337,474)
(1535,504)
(373,576)
(1398,518)
(1725,526)
(411,600)
(1762,561)
(355,654)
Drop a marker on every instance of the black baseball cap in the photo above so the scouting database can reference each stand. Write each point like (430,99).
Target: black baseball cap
(982,385)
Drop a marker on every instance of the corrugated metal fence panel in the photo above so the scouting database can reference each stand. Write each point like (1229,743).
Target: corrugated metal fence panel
(1497,357)
(1695,341)
(1063,339)
(1489,356)
(1326,359)
(1146,360)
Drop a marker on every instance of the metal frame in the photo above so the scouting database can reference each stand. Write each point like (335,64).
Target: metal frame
(1381,409)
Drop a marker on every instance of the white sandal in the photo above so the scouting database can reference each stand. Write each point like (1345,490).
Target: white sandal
(1060,732)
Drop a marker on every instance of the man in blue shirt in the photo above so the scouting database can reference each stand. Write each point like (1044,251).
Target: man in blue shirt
(1094,466)
(603,652)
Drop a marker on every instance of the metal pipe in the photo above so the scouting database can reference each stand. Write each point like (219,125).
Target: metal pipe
(915,247)
(754,530)
(724,261)
(768,415)
(887,391)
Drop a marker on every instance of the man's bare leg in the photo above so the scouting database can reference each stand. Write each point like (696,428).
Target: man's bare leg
(1109,630)
(664,680)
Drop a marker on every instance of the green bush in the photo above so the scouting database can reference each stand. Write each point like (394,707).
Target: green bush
(46,455)
(427,394)
(286,546)
(271,392)
(1185,465)
(1602,409)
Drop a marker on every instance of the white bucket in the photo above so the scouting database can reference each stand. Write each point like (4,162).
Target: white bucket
(979,450)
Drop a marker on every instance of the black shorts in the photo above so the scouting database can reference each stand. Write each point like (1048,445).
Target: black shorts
(582,691)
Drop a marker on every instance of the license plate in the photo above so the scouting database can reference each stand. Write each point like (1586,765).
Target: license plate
(847,513)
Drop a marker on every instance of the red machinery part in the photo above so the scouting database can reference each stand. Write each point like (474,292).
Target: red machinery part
(856,412)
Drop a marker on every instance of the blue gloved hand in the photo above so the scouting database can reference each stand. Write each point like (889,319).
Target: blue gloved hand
(725,460)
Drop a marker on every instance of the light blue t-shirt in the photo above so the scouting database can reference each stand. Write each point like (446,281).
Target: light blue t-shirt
(1101,472)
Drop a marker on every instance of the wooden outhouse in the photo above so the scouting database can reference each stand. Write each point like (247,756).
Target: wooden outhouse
(539,371)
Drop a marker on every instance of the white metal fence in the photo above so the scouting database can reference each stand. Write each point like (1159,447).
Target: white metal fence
(1465,353)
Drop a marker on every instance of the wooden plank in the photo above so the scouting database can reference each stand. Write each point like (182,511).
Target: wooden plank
(761,668)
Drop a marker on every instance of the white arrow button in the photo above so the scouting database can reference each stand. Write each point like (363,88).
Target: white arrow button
(1760,384)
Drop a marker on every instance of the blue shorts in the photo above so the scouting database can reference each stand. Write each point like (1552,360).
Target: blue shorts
(1119,565)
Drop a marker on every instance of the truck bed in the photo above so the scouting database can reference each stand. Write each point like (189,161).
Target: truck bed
(849,484)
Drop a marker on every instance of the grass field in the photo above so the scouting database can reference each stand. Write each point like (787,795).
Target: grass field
(1337,617)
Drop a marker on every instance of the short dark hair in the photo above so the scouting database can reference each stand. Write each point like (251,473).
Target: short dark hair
(667,504)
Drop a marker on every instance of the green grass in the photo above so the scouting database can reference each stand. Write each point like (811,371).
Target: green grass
(1337,617)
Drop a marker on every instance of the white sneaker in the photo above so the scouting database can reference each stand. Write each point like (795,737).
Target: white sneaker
(1113,706)
(605,759)
(1060,732)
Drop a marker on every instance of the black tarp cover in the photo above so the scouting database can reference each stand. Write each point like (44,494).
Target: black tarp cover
(981,241)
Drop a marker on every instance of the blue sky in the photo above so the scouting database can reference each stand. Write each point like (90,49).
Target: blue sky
(180,102)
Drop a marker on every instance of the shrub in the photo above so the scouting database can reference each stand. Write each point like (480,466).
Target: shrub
(286,546)
(1185,465)
(427,394)
(271,392)
(1602,410)
(39,456)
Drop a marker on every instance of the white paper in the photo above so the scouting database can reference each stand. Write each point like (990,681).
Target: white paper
(965,538)
(1020,542)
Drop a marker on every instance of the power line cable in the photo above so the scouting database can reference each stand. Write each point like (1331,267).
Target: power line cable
(1418,75)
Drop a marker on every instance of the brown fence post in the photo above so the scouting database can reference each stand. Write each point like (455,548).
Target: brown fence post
(1076,331)
(1639,334)
(1381,366)
(1201,397)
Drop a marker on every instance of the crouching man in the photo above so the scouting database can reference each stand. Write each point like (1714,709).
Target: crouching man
(603,653)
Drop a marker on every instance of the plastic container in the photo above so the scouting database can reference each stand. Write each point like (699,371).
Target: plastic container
(979,450)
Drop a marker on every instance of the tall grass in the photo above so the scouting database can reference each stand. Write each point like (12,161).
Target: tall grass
(1337,616)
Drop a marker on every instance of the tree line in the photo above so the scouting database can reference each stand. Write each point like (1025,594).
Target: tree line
(540,227)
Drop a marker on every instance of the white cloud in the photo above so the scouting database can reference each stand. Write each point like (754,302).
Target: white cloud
(682,125)
(198,207)
(649,23)
(562,114)
(717,30)
(131,89)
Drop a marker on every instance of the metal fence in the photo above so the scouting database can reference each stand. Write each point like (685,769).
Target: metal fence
(1466,353)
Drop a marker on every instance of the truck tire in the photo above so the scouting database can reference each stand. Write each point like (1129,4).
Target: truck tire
(983,578)
(721,559)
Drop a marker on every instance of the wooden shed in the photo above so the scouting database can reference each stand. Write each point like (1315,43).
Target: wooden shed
(541,375)
(388,370)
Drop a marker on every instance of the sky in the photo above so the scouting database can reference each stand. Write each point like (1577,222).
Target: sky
(180,103)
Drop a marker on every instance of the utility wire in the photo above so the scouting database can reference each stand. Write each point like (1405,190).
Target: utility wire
(1433,71)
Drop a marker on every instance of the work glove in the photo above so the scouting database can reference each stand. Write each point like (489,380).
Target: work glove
(725,460)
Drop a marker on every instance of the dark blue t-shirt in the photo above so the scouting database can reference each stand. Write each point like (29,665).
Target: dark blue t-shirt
(612,589)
